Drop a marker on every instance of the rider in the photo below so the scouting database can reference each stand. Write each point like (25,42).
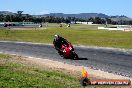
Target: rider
(58,42)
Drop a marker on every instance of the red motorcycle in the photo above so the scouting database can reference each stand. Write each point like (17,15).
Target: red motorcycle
(68,51)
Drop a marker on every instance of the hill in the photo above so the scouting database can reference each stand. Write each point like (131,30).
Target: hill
(80,15)
(6,13)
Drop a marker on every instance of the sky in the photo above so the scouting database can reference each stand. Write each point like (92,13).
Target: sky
(37,7)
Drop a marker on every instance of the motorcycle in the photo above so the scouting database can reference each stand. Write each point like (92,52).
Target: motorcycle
(67,51)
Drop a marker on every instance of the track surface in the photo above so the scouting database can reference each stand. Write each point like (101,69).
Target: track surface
(109,61)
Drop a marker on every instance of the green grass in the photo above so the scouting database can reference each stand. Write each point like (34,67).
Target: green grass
(84,35)
(16,75)
(19,75)
(2,56)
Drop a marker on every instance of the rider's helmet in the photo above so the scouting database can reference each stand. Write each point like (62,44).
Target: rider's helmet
(56,36)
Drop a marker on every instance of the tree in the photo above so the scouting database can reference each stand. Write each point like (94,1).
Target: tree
(19,16)
(130,22)
(7,18)
(1,17)
(97,20)
(108,21)
(91,19)
(19,13)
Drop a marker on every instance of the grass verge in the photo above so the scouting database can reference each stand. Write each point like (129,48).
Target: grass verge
(16,75)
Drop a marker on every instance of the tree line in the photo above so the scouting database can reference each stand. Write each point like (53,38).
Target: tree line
(19,17)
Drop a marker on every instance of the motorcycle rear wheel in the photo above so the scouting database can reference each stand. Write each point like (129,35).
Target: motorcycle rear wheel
(75,56)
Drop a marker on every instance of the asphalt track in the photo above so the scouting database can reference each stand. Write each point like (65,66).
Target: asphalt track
(107,60)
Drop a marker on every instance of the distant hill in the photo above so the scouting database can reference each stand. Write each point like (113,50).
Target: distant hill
(87,15)
(81,15)
(118,18)
(6,13)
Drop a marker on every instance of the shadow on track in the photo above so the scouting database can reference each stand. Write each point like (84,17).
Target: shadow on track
(77,59)
(81,59)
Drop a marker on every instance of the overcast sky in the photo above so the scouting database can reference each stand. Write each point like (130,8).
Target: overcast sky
(109,7)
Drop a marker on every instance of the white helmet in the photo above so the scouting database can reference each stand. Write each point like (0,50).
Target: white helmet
(57,36)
